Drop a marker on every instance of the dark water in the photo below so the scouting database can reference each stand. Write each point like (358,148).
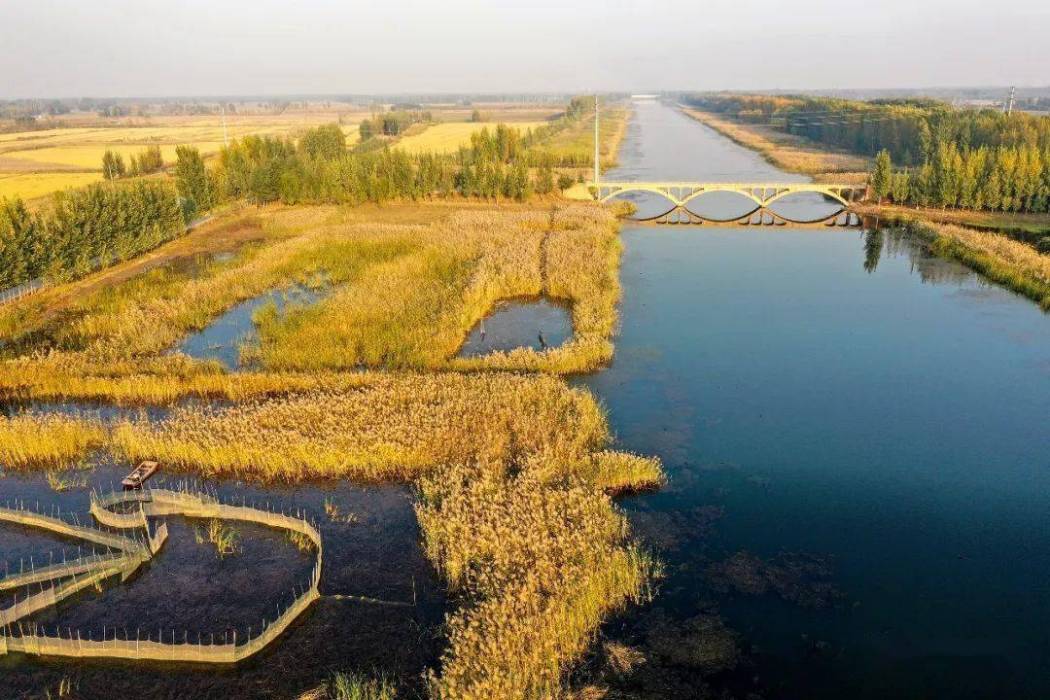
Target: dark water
(858,446)
(371,549)
(224,337)
(520,323)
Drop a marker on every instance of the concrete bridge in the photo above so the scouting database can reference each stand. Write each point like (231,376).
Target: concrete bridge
(762,194)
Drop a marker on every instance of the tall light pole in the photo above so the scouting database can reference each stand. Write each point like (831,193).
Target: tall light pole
(597,162)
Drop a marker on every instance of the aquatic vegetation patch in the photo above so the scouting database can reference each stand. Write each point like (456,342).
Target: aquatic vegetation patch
(538,565)
(804,580)
(399,296)
(1012,264)
(392,427)
(223,537)
(32,440)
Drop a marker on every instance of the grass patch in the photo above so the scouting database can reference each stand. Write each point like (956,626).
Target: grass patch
(47,440)
(393,427)
(537,565)
(1028,226)
(575,143)
(353,686)
(221,536)
(32,185)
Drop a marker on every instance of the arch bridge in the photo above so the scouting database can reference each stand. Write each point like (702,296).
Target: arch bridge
(762,194)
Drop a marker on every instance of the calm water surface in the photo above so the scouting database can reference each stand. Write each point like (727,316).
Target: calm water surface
(371,541)
(520,323)
(223,338)
(858,446)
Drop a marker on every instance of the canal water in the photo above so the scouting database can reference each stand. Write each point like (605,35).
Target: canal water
(858,446)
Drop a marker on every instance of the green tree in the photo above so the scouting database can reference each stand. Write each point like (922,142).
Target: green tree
(327,142)
(112,165)
(899,189)
(881,176)
(192,181)
(545,179)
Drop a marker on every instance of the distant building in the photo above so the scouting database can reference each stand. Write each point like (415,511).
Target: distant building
(644,98)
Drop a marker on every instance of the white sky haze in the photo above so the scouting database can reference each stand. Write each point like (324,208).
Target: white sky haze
(116,48)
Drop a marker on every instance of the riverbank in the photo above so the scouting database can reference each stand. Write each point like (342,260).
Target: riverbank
(1027,227)
(787,151)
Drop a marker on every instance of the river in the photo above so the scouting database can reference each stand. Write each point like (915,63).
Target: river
(857,441)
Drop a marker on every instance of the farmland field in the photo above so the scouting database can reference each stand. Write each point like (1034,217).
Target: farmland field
(32,185)
(36,163)
(448,137)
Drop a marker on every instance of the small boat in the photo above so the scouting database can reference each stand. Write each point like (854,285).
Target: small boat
(134,480)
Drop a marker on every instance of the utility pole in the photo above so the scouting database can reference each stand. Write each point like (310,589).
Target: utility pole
(597,161)
(225,137)
(1010,103)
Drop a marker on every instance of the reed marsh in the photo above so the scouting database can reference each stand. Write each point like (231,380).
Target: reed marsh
(400,296)
(31,440)
(538,566)
(514,467)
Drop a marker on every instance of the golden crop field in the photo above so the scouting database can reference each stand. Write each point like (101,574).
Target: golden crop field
(37,163)
(34,185)
(90,157)
(449,136)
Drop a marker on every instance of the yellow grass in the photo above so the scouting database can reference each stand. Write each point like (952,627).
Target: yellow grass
(449,136)
(32,440)
(539,566)
(40,184)
(577,139)
(514,468)
(398,296)
(393,426)
(90,157)
(1014,265)
(37,163)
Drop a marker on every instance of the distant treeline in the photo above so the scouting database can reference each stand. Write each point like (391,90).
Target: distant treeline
(319,169)
(980,159)
(84,229)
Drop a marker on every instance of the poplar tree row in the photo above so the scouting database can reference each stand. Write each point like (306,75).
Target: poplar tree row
(319,169)
(85,229)
(1011,179)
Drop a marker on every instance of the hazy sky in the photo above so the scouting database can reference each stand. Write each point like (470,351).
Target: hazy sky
(239,47)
